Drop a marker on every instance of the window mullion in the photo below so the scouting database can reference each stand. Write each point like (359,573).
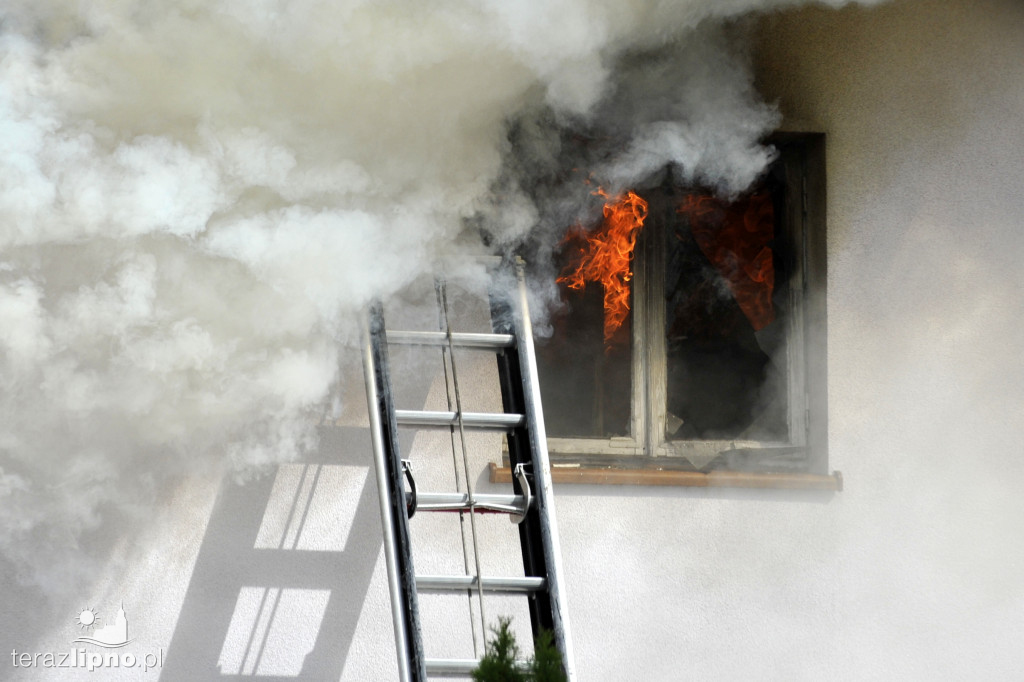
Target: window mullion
(653,335)
(638,412)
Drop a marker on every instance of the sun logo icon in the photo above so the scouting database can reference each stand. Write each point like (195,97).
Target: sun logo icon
(87,618)
(111,636)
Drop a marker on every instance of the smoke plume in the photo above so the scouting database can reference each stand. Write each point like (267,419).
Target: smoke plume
(198,198)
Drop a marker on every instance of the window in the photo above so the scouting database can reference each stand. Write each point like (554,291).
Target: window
(717,360)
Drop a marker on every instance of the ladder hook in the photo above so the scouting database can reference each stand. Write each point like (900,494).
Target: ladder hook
(524,484)
(410,496)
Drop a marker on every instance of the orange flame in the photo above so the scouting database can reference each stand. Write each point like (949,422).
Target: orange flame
(606,257)
(737,238)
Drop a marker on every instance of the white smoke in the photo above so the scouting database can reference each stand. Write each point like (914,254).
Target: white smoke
(198,198)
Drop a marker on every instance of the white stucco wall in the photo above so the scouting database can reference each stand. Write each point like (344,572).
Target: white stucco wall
(912,572)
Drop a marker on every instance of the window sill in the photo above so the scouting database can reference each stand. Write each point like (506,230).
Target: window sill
(620,475)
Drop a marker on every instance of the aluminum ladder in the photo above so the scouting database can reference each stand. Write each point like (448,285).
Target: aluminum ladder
(530,503)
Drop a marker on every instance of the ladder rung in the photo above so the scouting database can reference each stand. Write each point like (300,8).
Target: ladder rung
(471,420)
(456,583)
(462,667)
(459,339)
(459,667)
(504,504)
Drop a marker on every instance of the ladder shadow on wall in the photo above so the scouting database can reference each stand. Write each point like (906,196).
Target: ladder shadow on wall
(283,571)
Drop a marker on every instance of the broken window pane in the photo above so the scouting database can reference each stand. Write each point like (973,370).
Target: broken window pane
(724,320)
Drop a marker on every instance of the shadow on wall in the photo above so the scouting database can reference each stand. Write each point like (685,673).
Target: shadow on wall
(283,571)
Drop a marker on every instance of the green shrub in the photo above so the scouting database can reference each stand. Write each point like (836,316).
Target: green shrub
(499,661)
(546,665)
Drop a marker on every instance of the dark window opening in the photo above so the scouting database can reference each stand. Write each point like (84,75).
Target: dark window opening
(591,384)
(720,360)
(725,319)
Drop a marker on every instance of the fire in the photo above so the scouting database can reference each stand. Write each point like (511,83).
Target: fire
(605,256)
(736,238)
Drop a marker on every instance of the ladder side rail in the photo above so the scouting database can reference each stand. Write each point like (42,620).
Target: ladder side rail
(520,392)
(391,491)
(519,453)
(544,491)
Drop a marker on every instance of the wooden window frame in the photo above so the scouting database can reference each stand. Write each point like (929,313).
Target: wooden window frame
(802,160)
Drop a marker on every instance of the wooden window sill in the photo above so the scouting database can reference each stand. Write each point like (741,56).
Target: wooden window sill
(618,475)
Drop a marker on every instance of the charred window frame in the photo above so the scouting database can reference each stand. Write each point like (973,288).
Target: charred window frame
(635,388)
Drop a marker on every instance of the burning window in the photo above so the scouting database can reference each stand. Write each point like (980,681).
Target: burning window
(693,326)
